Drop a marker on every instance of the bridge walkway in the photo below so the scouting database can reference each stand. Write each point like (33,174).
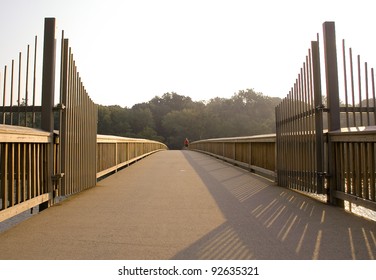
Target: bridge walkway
(186,205)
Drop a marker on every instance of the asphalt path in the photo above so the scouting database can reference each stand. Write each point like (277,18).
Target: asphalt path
(186,205)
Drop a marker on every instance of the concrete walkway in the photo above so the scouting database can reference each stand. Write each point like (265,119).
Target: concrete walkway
(185,205)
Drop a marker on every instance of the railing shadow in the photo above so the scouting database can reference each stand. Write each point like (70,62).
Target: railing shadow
(264,221)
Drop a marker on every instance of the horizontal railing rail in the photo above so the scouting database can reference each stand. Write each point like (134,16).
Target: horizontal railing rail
(256,153)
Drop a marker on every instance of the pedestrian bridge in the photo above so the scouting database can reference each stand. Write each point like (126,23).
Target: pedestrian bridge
(185,204)
(188,205)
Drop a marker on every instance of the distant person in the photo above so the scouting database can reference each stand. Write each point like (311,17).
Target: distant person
(186,143)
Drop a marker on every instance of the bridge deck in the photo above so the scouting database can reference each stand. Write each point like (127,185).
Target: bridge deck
(185,205)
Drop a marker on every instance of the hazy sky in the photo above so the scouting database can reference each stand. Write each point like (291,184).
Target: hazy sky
(128,51)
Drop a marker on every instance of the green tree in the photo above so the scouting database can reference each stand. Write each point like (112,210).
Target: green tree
(173,117)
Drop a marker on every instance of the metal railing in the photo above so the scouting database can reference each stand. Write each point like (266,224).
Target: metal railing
(255,153)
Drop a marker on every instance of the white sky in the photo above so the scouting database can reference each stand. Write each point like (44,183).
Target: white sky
(127,52)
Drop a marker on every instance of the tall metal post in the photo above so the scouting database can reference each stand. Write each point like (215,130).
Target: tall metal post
(331,72)
(48,93)
(48,80)
(319,131)
(63,117)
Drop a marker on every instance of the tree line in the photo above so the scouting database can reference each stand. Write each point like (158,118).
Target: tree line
(171,118)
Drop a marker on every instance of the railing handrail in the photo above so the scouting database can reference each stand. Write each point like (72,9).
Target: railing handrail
(118,139)
(12,134)
(340,134)
(359,130)
(243,139)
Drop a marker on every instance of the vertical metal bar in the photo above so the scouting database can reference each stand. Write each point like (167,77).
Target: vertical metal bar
(71,121)
(319,136)
(4,93)
(352,86)
(64,116)
(48,81)
(367,93)
(48,94)
(19,89)
(296,133)
(76,132)
(308,121)
(345,80)
(360,91)
(292,138)
(74,127)
(287,143)
(278,142)
(79,134)
(331,74)
(303,128)
(11,94)
(94,111)
(27,83)
(34,80)
(312,122)
(86,139)
(308,124)
(373,96)
(69,108)
(301,131)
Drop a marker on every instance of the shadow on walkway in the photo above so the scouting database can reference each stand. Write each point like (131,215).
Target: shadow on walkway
(265,221)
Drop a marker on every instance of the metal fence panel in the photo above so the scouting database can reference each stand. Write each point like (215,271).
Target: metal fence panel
(78,134)
(298,157)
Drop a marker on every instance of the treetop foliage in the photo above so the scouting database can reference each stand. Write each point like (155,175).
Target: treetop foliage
(172,117)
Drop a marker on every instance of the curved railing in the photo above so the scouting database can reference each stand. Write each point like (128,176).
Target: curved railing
(256,153)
